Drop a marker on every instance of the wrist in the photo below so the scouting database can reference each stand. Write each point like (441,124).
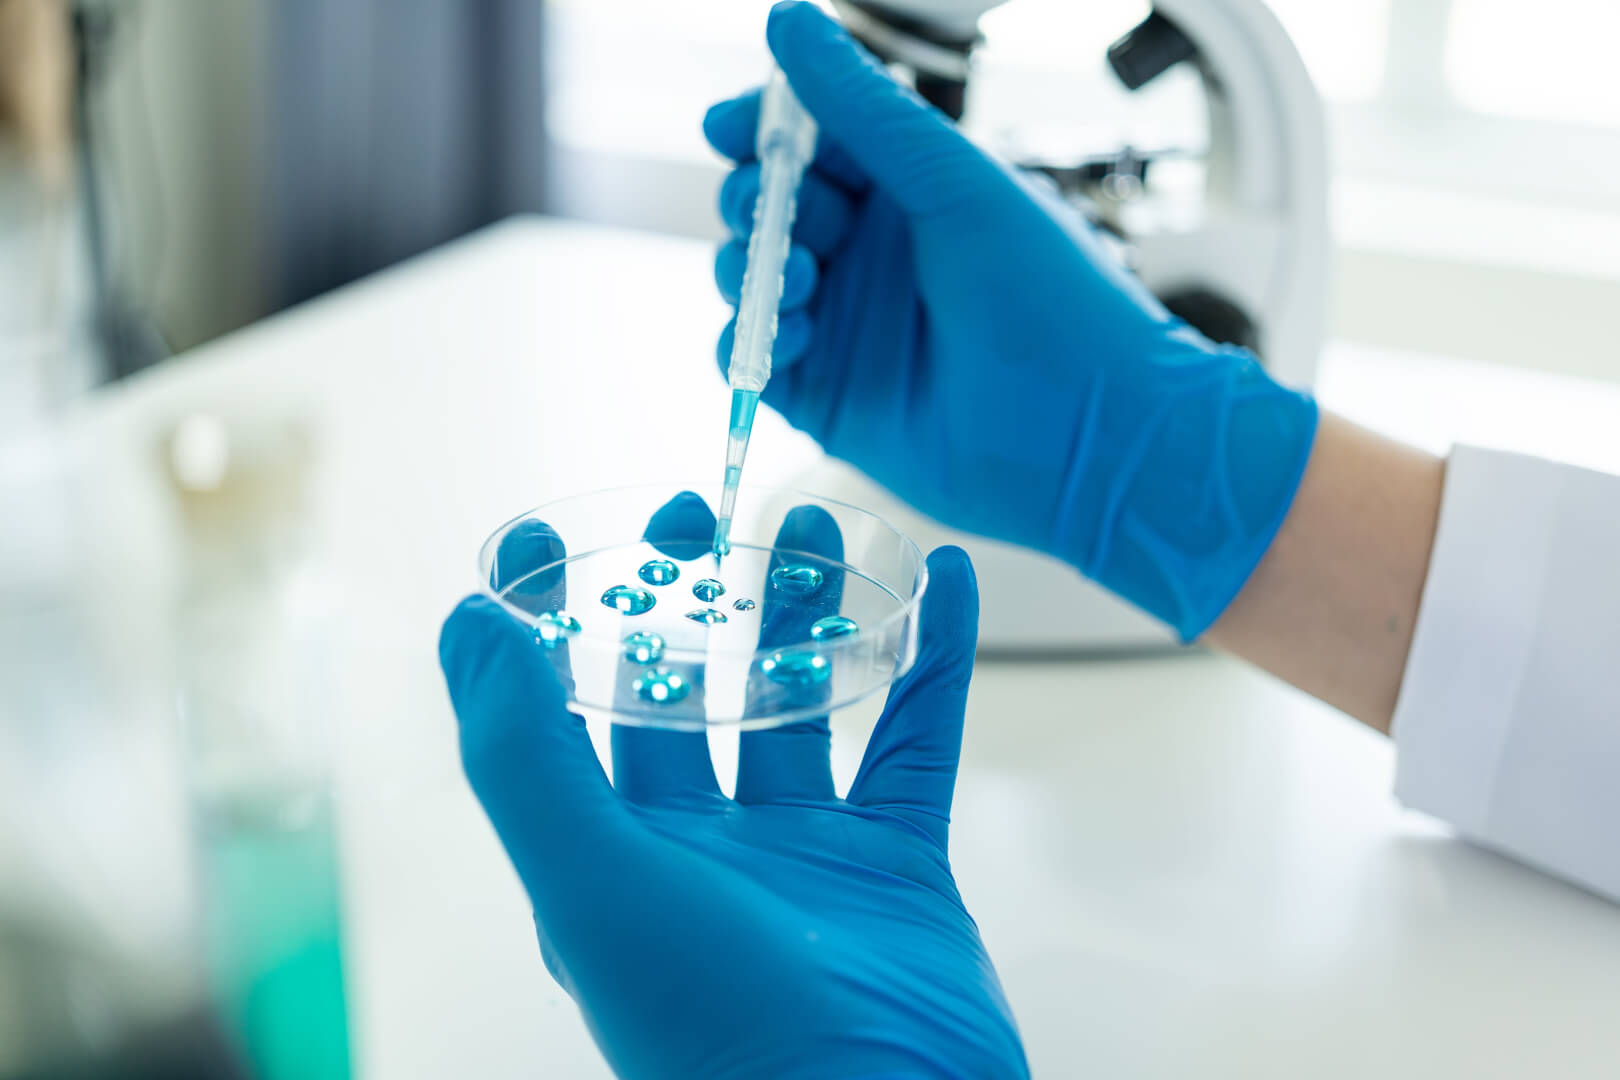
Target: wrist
(1185,465)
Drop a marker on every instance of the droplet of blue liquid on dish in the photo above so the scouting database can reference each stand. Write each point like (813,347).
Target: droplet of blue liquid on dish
(629,599)
(833,627)
(554,627)
(796,668)
(661,686)
(708,590)
(707,616)
(658,572)
(796,579)
(742,603)
(643,647)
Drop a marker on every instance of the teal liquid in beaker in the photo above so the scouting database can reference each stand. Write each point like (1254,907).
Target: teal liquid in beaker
(273,938)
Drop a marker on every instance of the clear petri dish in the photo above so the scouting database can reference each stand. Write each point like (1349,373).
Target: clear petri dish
(814,607)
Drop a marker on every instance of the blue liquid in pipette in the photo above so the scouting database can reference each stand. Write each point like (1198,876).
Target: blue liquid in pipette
(743,405)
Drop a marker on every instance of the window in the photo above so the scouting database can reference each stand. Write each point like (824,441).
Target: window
(1551,60)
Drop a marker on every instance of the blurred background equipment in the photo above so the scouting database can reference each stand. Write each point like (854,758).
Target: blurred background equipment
(257,680)
(47,352)
(170,171)
(125,336)
(169,898)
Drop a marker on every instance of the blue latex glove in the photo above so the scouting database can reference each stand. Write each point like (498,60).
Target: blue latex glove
(960,335)
(787,933)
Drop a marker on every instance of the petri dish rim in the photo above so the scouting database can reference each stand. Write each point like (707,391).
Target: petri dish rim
(906,608)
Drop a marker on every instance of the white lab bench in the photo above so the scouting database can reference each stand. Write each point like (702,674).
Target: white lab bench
(1181,866)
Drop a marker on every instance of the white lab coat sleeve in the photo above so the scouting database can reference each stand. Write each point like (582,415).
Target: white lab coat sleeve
(1508,722)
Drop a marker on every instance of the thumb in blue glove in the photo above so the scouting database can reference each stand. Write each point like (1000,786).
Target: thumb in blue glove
(963,337)
(787,933)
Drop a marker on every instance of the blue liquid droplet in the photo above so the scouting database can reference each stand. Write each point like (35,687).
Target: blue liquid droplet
(796,668)
(629,599)
(742,603)
(643,647)
(796,579)
(833,627)
(661,686)
(658,572)
(554,627)
(708,590)
(707,616)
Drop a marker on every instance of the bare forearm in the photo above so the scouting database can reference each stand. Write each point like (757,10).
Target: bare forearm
(1332,606)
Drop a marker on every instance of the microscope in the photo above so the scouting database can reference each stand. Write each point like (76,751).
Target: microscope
(1248,267)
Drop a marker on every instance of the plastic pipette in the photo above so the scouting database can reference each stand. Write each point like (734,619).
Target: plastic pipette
(784,143)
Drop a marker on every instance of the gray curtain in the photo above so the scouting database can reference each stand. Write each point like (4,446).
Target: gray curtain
(396,125)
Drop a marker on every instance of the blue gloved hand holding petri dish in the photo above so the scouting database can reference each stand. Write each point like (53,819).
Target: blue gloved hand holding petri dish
(782,933)
(963,337)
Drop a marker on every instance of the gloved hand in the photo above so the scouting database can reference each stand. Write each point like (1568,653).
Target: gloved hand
(960,335)
(786,933)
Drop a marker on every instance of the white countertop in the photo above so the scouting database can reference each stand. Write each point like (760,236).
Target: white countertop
(1181,867)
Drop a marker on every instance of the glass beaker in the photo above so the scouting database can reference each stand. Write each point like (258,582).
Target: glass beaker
(256,686)
(266,866)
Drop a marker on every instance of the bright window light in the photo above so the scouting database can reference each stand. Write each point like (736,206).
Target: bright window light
(1054,33)
(1551,60)
(1343,44)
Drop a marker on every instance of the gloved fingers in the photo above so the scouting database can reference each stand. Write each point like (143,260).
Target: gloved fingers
(820,223)
(652,765)
(658,766)
(730,127)
(794,332)
(528,759)
(908,148)
(799,276)
(682,528)
(910,764)
(792,762)
(529,572)
(527,549)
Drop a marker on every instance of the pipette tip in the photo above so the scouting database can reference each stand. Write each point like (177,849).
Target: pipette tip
(743,405)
